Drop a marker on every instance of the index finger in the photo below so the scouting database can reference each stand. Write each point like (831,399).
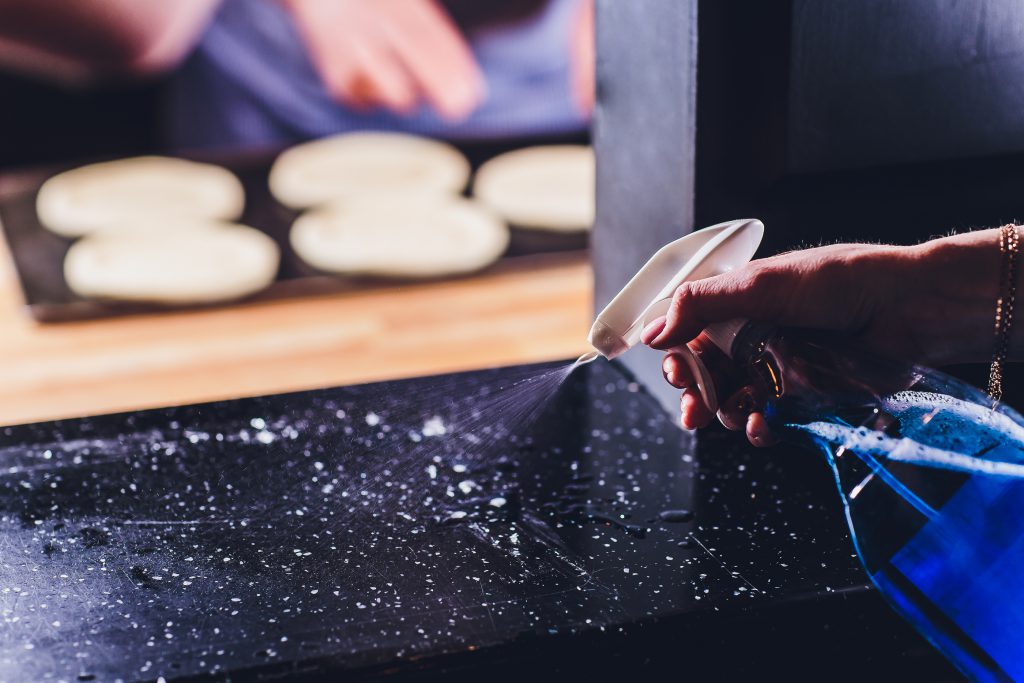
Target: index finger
(438,56)
(695,305)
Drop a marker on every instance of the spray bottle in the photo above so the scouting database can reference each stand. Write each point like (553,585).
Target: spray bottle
(930,474)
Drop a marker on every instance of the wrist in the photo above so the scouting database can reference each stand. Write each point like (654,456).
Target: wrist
(958,277)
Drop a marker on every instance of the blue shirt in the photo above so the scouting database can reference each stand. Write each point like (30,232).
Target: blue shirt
(250,82)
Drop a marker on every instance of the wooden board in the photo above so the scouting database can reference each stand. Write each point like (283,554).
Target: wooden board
(39,254)
(516,315)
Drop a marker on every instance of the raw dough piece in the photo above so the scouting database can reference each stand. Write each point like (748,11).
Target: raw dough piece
(547,188)
(137,190)
(425,237)
(359,164)
(177,263)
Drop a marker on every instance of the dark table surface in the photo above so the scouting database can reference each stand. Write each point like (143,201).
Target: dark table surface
(430,527)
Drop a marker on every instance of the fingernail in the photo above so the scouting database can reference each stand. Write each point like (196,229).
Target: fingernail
(652,330)
(659,341)
(464,97)
(671,378)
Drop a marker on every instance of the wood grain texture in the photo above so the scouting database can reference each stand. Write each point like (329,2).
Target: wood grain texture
(103,366)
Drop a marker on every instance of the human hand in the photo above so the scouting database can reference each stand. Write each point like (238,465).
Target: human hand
(395,54)
(931,303)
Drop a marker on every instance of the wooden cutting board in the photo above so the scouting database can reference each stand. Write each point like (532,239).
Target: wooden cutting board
(517,315)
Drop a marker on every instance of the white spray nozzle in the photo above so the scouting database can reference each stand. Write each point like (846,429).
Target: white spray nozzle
(711,251)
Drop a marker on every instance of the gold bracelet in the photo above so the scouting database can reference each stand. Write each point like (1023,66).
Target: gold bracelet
(1009,243)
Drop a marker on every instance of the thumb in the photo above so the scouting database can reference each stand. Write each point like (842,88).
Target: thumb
(741,293)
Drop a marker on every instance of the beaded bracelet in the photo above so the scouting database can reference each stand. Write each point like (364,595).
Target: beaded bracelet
(1009,243)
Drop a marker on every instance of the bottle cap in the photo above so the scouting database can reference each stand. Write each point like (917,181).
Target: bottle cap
(724,334)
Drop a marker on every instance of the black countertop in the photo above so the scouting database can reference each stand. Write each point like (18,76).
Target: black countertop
(429,527)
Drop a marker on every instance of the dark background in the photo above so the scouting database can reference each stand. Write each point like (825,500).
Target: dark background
(42,123)
(878,81)
(879,120)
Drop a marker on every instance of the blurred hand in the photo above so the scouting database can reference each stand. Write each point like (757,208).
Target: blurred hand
(583,58)
(84,39)
(931,303)
(395,54)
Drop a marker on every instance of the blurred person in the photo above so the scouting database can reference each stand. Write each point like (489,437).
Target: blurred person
(271,72)
(932,303)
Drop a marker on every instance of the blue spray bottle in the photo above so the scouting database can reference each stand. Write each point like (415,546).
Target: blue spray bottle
(931,476)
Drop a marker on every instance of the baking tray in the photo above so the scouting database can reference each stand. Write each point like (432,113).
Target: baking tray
(38,254)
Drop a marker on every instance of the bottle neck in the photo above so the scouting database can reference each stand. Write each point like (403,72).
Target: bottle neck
(740,340)
(791,376)
(736,370)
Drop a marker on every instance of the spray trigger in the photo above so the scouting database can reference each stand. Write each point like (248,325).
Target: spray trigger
(704,253)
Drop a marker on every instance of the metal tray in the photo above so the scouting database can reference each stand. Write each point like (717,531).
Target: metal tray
(38,254)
